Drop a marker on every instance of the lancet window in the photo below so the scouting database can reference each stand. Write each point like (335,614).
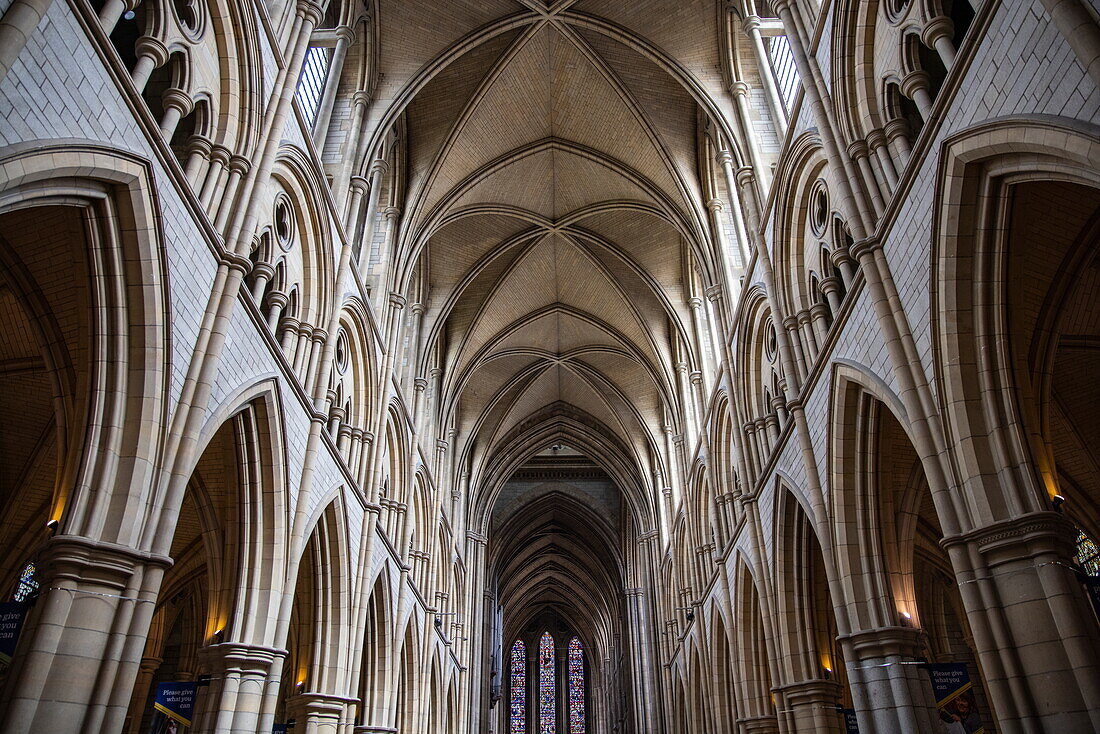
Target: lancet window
(556,699)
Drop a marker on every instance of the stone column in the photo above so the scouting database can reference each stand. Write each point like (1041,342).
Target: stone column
(238,169)
(146,670)
(917,86)
(810,706)
(344,36)
(758,725)
(1077,23)
(937,34)
(198,156)
(219,161)
(151,54)
(1035,632)
(740,92)
(111,11)
(859,152)
(751,25)
(831,288)
(845,263)
(374,185)
(177,105)
(276,302)
(890,689)
(725,159)
(317,713)
(819,319)
(897,137)
(239,684)
(801,353)
(877,144)
(76,663)
(262,273)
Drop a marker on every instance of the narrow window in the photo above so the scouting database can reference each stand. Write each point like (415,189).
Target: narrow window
(1088,555)
(518,693)
(786,73)
(548,710)
(28,583)
(312,84)
(576,687)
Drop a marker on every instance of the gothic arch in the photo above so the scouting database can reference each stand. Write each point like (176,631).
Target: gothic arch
(126,276)
(969,261)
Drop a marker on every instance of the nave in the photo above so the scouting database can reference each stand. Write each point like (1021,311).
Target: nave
(549,366)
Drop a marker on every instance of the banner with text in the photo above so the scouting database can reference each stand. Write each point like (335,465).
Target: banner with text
(176,701)
(954,692)
(12,614)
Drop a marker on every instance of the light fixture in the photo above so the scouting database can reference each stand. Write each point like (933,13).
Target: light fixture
(1057,501)
(129,15)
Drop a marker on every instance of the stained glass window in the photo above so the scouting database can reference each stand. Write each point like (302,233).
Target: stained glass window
(548,709)
(28,584)
(518,713)
(1088,555)
(576,686)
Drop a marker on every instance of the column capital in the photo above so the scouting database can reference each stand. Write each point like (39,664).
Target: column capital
(750,23)
(153,48)
(178,99)
(236,262)
(906,642)
(830,285)
(200,144)
(344,33)
(857,149)
(724,157)
(915,81)
(265,270)
(876,138)
(739,88)
(360,184)
(221,155)
(240,657)
(277,299)
(311,11)
(379,167)
(898,127)
(939,27)
(1021,537)
(866,246)
(240,164)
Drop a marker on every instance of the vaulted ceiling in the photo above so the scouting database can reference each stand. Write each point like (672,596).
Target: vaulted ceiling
(554,212)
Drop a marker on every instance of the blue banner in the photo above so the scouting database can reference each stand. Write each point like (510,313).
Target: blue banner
(954,692)
(176,701)
(851,726)
(12,614)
